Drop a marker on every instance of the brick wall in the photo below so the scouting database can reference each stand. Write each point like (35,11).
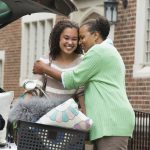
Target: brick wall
(10,41)
(138,90)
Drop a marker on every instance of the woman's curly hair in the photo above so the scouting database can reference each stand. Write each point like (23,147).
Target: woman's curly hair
(54,37)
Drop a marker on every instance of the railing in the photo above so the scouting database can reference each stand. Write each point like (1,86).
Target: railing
(141,135)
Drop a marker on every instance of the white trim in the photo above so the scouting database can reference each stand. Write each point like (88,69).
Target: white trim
(85,8)
(37,17)
(82,15)
(59,91)
(46,61)
(62,78)
(139,70)
(2,58)
(88,12)
(82,4)
(62,69)
(112,32)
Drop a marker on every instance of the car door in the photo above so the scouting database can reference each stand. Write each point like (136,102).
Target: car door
(11,10)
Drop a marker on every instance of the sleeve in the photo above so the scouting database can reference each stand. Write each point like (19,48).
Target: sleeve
(79,91)
(84,71)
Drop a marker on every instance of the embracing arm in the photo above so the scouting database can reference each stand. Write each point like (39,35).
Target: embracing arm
(82,104)
(42,68)
(72,79)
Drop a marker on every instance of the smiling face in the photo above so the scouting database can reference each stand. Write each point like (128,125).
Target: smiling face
(68,40)
(87,39)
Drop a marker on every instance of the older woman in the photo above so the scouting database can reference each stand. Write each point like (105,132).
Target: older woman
(102,72)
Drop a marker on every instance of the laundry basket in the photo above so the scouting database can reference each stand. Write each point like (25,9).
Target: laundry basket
(32,136)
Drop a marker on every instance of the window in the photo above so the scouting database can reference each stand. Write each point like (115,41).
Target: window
(141,66)
(147,48)
(35,35)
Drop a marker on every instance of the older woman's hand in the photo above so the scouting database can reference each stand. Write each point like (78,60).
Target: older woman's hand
(39,67)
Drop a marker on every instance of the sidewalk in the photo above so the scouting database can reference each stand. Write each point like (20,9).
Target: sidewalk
(14,147)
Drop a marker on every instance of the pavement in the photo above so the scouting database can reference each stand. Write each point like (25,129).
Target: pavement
(13,146)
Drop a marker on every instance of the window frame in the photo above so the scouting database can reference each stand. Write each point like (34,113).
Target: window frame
(140,70)
(37,19)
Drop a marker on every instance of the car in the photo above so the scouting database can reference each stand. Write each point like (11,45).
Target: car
(11,10)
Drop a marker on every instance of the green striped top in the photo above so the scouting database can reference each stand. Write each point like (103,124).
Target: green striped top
(102,71)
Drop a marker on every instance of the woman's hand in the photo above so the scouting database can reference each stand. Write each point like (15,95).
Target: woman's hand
(42,68)
(39,67)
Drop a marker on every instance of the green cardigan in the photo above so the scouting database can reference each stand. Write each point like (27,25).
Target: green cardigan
(102,72)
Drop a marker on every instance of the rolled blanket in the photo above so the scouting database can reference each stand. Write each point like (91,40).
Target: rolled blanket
(30,110)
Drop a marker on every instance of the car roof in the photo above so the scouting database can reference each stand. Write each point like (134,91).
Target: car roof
(11,10)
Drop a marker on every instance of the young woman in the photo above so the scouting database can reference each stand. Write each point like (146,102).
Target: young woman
(102,72)
(65,54)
